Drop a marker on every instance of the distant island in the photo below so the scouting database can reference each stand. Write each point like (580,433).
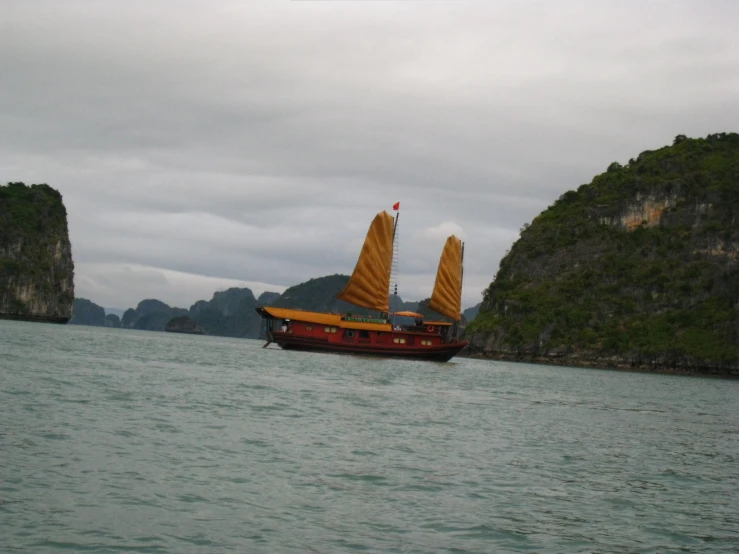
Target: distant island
(638,269)
(36,267)
(231,313)
(184,324)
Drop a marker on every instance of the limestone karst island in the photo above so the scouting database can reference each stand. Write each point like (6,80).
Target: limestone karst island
(36,268)
(638,269)
(635,270)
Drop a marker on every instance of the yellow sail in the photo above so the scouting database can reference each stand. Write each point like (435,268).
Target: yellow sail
(369,285)
(447,296)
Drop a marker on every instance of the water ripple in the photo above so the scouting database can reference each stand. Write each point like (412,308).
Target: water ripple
(125,441)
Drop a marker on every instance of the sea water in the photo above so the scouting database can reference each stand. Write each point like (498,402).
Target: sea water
(125,441)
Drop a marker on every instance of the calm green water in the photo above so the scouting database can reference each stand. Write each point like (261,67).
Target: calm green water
(126,441)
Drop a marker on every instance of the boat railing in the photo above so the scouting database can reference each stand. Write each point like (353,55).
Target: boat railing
(364,319)
(415,329)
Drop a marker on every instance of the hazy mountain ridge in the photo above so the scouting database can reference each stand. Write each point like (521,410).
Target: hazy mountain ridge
(471,313)
(229,313)
(86,312)
(637,269)
(232,313)
(150,315)
(184,324)
(318,295)
(112,320)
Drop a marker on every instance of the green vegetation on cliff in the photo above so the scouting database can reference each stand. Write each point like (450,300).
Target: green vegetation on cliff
(184,324)
(150,315)
(318,295)
(229,313)
(639,267)
(112,320)
(86,312)
(267,298)
(36,268)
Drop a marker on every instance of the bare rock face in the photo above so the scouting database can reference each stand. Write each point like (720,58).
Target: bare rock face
(36,267)
(638,269)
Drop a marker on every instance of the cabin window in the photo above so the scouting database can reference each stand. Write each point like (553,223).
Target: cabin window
(396,340)
(363,334)
(349,334)
(333,329)
(327,329)
(402,341)
(308,327)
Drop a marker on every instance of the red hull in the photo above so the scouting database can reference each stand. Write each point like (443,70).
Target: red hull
(321,332)
(437,353)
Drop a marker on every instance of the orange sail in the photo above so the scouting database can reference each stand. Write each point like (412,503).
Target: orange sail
(447,296)
(369,285)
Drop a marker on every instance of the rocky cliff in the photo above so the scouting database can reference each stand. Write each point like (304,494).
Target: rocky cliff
(36,268)
(86,312)
(184,324)
(229,313)
(638,269)
(318,295)
(112,320)
(267,298)
(150,315)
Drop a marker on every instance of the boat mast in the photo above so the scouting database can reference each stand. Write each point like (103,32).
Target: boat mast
(394,266)
(456,323)
(460,290)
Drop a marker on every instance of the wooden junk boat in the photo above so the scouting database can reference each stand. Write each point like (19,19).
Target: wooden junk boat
(369,287)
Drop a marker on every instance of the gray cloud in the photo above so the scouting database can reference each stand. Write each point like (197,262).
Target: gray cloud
(253,142)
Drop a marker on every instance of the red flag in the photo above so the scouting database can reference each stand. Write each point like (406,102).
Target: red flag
(396,206)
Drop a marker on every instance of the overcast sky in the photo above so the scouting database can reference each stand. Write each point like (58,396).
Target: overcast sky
(201,145)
